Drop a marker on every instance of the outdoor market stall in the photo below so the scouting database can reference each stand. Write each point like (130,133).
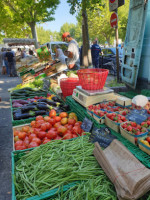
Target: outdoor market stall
(53,155)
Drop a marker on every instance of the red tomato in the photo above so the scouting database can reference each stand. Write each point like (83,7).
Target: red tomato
(33,124)
(33,144)
(43,127)
(37,140)
(70,127)
(36,130)
(16,138)
(19,143)
(74,135)
(78,123)
(51,134)
(61,130)
(67,136)
(57,119)
(26,142)
(47,118)
(56,125)
(148,139)
(39,118)
(46,141)
(16,133)
(68,131)
(41,134)
(71,121)
(32,136)
(37,125)
(22,147)
(31,130)
(133,124)
(52,113)
(76,130)
(52,121)
(63,114)
(22,135)
(25,128)
(48,125)
(64,120)
(58,137)
(54,129)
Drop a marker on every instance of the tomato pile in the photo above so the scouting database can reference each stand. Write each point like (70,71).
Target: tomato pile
(44,129)
(134,128)
(116,117)
(146,141)
(107,107)
(146,124)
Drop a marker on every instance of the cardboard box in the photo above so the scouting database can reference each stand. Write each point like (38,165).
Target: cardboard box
(123,101)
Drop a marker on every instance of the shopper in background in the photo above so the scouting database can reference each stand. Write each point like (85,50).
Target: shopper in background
(59,54)
(5,69)
(11,62)
(95,52)
(73,61)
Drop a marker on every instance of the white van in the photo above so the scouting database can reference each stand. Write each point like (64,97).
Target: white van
(50,46)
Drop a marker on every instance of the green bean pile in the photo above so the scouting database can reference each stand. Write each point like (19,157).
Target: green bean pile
(58,163)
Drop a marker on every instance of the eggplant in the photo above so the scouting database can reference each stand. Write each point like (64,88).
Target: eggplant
(17,111)
(56,99)
(66,107)
(42,100)
(28,108)
(43,107)
(40,112)
(52,103)
(18,116)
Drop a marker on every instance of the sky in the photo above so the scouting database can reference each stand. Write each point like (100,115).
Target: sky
(61,16)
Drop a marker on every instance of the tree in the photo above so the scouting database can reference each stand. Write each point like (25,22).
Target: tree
(31,12)
(83,5)
(99,22)
(8,28)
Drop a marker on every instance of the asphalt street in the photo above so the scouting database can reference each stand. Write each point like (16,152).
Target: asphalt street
(6,136)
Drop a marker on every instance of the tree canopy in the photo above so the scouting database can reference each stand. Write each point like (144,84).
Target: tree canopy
(31,12)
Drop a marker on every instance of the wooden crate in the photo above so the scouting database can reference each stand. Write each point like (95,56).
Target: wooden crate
(132,138)
(113,125)
(144,148)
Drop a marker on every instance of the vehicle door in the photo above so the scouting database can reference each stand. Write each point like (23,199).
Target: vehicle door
(133,42)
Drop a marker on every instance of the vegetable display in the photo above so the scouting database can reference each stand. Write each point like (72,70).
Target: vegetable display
(38,106)
(59,163)
(45,129)
(27,92)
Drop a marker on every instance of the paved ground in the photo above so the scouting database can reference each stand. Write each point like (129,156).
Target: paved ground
(6,137)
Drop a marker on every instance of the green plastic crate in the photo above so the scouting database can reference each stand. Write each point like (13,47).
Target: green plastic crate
(31,71)
(138,153)
(16,155)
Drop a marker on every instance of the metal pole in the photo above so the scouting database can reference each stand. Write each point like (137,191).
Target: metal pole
(117,52)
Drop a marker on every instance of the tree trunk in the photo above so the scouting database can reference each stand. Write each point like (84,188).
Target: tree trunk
(86,51)
(34,34)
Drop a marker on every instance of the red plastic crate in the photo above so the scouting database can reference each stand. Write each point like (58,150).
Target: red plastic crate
(68,85)
(92,79)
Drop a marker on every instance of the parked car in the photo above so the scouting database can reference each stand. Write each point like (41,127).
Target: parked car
(108,59)
(51,45)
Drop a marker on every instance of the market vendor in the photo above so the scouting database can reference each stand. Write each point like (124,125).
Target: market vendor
(141,100)
(73,61)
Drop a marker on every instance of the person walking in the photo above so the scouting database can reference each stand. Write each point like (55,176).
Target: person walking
(73,61)
(95,51)
(5,62)
(11,62)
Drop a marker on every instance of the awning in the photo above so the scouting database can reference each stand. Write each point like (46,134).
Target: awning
(18,41)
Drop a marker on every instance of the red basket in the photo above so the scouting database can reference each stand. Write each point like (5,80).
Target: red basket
(68,85)
(92,79)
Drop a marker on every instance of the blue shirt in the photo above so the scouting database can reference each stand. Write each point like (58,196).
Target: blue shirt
(95,51)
